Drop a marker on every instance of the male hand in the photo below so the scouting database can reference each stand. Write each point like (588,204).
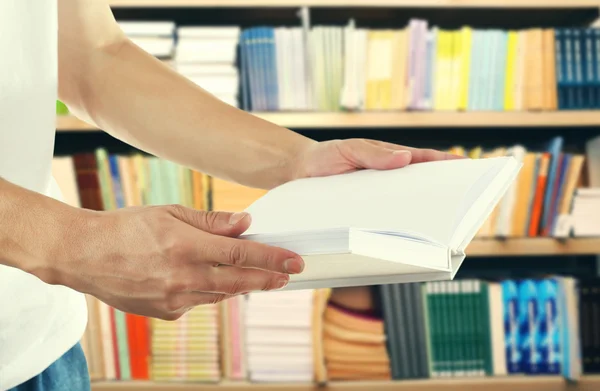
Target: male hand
(162,261)
(342,156)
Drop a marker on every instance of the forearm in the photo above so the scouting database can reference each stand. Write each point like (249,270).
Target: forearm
(33,229)
(137,99)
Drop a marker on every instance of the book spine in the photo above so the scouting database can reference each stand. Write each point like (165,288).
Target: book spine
(511,326)
(486,329)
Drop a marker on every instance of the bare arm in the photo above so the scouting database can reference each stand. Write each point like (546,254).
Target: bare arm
(108,80)
(32,228)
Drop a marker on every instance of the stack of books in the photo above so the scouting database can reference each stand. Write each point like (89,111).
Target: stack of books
(585,217)
(156,38)
(187,349)
(279,336)
(354,345)
(207,57)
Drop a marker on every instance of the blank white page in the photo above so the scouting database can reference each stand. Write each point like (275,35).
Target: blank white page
(425,199)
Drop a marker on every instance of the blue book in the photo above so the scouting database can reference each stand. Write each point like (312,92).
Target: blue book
(529,327)
(261,67)
(510,301)
(549,330)
(565,163)
(588,69)
(569,67)
(578,69)
(116,181)
(596,59)
(474,70)
(271,70)
(252,64)
(554,148)
(243,48)
(431,50)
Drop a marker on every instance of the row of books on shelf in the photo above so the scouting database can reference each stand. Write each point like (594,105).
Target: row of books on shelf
(418,67)
(548,199)
(455,329)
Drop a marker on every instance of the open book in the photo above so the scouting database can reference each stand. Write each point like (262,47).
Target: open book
(380,227)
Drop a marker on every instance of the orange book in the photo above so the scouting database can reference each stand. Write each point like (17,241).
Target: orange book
(320,299)
(138,338)
(538,202)
(534,70)
(550,83)
(198,190)
(524,189)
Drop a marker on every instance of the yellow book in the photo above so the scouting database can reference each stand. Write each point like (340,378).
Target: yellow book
(511,71)
(386,59)
(372,85)
(465,41)
(399,69)
(457,150)
(141,177)
(379,70)
(443,69)
(475,153)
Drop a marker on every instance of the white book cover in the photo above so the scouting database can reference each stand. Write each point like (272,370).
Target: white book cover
(209,32)
(148,28)
(377,227)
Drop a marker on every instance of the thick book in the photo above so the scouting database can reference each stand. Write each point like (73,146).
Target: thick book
(372,227)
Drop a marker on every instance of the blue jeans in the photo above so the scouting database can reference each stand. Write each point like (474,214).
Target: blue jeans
(68,373)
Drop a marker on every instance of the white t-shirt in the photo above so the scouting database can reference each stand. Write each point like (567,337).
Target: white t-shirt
(38,322)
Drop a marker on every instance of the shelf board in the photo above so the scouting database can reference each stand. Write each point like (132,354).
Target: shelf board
(531,247)
(403,120)
(512,383)
(362,3)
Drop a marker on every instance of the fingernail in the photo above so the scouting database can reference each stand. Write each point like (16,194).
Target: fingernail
(237,217)
(293,266)
(282,282)
(401,153)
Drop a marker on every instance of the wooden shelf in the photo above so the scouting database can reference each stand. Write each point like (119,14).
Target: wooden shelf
(531,247)
(362,3)
(403,120)
(516,383)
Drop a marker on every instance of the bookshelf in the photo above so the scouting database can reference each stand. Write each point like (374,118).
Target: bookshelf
(529,247)
(319,120)
(397,124)
(361,3)
(543,383)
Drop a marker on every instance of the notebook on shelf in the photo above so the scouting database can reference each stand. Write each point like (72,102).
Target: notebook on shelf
(374,227)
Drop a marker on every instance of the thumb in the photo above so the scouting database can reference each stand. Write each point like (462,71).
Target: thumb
(217,223)
(371,156)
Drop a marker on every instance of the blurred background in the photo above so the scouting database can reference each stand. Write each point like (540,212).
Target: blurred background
(481,78)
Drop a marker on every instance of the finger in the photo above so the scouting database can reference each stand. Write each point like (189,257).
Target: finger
(418,155)
(368,155)
(234,281)
(222,250)
(218,223)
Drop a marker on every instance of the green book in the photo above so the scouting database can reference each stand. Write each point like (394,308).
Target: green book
(486,329)
(122,345)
